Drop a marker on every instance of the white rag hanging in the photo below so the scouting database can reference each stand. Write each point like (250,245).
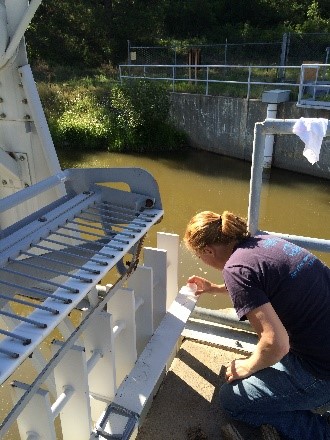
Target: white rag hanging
(311,131)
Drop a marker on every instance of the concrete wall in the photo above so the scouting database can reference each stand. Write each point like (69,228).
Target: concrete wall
(226,125)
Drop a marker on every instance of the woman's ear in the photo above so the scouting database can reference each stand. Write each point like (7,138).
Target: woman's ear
(208,250)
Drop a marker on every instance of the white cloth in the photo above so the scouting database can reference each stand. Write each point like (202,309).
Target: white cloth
(311,131)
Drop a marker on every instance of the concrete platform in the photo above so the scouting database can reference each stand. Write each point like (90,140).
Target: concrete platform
(186,405)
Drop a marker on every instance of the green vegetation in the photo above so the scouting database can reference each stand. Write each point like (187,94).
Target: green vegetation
(95,32)
(107,115)
(74,48)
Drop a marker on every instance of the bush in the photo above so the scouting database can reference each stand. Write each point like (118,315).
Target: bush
(76,118)
(140,119)
(133,117)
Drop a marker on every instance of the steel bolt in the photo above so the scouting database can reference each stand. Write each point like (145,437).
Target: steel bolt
(22,158)
(4,182)
(3,115)
(24,101)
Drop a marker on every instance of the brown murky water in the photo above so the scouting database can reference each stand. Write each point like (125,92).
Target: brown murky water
(195,181)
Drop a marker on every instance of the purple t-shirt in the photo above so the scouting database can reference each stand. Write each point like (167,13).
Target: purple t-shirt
(265,269)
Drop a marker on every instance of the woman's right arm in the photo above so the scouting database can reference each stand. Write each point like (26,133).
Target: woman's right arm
(203,285)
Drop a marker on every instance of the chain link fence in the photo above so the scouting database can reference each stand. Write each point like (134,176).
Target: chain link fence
(228,53)
(307,48)
(293,49)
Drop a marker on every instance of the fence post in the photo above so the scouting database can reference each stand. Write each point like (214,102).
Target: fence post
(249,84)
(226,47)
(207,81)
(281,71)
(128,52)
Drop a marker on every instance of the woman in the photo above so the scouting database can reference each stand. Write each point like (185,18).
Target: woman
(284,291)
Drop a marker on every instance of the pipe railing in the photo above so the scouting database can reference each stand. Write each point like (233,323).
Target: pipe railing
(208,75)
(273,126)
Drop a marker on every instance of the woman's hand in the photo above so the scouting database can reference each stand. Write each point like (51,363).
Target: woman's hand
(238,369)
(203,285)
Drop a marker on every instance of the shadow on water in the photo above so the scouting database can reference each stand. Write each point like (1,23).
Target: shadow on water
(201,162)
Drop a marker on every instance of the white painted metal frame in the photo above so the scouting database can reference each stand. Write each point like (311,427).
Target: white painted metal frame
(273,126)
(98,365)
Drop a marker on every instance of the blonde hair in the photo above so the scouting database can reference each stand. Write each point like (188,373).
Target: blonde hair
(207,228)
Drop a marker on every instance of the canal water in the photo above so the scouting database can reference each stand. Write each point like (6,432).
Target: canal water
(197,180)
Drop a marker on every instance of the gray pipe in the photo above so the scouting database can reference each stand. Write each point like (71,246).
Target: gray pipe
(225,316)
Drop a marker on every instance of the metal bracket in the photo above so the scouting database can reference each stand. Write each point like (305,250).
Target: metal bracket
(114,408)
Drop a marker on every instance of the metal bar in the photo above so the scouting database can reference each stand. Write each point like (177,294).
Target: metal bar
(26,341)
(54,260)
(109,207)
(249,83)
(31,277)
(78,247)
(256,178)
(27,193)
(28,303)
(107,223)
(226,317)
(61,401)
(93,360)
(117,218)
(11,354)
(20,30)
(120,209)
(102,263)
(35,291)
(119,326)
(317,244)
(22,318)
(93,234)
(47,269)
(87,225)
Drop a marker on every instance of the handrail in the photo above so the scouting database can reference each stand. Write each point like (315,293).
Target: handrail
(131,71)
(175,78)
(273,126)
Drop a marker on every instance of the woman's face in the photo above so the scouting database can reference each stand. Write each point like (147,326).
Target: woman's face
(216,255)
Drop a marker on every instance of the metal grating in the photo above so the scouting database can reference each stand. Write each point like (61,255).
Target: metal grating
(53,262)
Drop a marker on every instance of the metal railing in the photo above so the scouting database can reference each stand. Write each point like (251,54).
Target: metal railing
(201,78)
(314,86)
(209,75)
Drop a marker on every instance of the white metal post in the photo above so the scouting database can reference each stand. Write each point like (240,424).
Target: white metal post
(141,282)
(102,378)
(37,416)
(122,308)
(170,242)
(72,371)
(157,259)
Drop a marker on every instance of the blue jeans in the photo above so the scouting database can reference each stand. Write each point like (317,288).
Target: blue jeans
(282,396)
